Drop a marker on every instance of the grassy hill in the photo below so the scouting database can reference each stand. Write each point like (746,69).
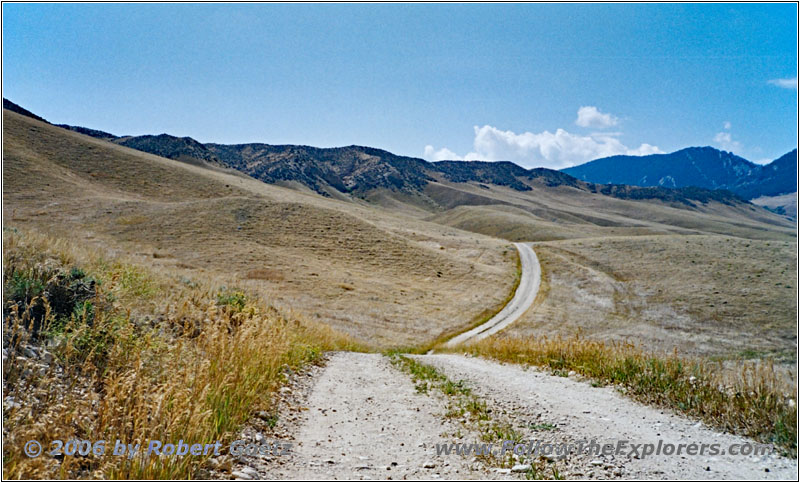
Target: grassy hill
(386,254)
(708,295)
(547,213)
(380,276)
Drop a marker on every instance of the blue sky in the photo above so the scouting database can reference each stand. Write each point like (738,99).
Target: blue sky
(541,85)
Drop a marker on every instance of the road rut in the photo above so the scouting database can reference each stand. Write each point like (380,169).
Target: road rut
(530,279)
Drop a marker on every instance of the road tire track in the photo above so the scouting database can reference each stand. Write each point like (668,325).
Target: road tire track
(530,279)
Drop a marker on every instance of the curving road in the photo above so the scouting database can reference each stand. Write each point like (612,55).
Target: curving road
(523,298)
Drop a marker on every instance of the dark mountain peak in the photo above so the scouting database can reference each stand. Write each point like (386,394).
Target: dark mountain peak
(708,153)
(788,159)
(776,178)
(95,133)
(164,137)
(691,153)
(699,166)
(501,173)
(348,169)
(551,177)
(20,110)
(702,149)
(168,146)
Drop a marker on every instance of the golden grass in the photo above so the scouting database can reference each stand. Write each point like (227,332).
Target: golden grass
(264,274)
(566,213)
(476,321)
(378,275)
(757,402)
(157,357)
(708,295)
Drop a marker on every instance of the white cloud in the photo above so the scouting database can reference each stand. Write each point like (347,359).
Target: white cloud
(722,137)
(790,83)
(644,149)
(726,142)
(443,154)
(590,116)
(726,125)
(559,149)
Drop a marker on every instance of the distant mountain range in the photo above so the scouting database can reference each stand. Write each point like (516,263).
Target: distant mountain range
(358,170)
(687,176)
(704,167)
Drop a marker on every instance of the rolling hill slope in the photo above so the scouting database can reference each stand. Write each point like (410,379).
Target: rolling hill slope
(358,170)
(383,277)
(559,205)
(397,251)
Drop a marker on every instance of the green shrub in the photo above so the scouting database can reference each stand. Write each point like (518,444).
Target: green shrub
(234,299)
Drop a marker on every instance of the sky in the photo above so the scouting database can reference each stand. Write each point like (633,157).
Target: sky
(550,85)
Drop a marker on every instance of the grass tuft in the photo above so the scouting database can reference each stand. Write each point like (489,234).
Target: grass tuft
(757,402)
(471,411)
(144,357)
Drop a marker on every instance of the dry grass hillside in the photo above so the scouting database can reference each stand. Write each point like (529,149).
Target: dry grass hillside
(399,268)
(712,280)
(563,212)
(785,205)
(706,295)
(381,276)
(99,346)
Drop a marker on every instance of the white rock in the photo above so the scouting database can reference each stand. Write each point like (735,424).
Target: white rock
(241,475)
(520,468)
(429,464)
(250,471)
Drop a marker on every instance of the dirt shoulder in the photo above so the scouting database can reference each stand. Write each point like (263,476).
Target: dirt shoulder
(573,410)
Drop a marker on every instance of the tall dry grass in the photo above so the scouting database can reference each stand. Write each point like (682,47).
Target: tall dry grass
(152,356)
(754,401)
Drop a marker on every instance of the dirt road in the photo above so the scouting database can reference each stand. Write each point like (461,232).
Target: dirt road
(362,418)
(365,420)
(577,411)
(530,278)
